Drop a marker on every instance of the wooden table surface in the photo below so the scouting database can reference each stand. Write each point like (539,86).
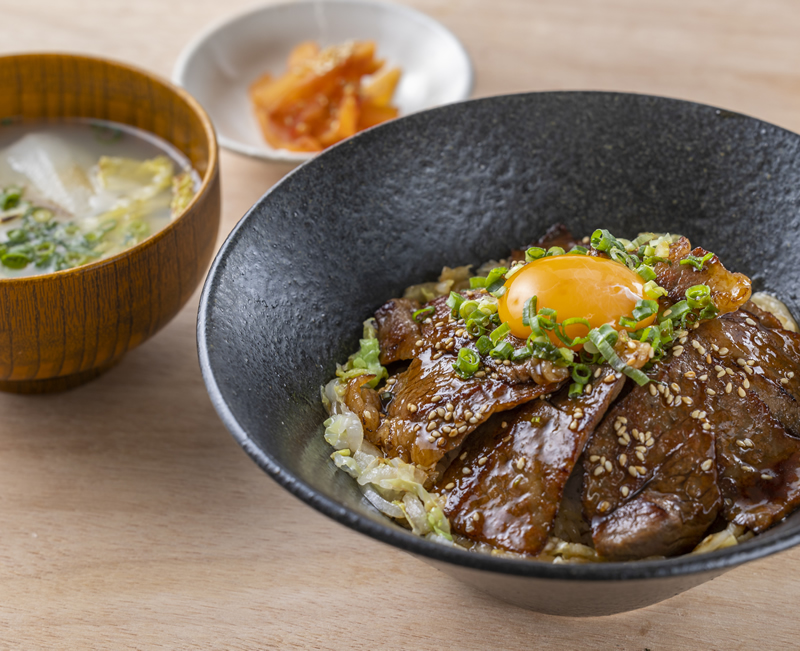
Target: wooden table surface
(129,518)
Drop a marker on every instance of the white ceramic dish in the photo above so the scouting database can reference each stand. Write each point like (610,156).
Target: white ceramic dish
(218,66)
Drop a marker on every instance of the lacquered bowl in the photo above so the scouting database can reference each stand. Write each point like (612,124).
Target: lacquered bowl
(62,329)
(462,184)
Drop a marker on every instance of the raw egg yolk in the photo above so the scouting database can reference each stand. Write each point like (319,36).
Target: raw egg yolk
(596,289)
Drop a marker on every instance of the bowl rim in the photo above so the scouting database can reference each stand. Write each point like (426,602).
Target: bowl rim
(212,169)
(264,151)
(716,561)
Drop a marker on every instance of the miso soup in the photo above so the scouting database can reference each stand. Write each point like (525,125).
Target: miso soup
(78,191)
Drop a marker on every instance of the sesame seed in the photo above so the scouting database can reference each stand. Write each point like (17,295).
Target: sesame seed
(447,429)
(715,347)
(653,390)
(494,376)
(741,392)
(441,412)
(675,387)
(624,490)
(597,372)
(437,356)
(622,441)
(720,374)
(594,458)
(741,444)
(436,398)
(741,361)
(688,401)
(432,415)
(702,415)
(662,389)
(450,486)
(650,442)
(729,371)
(706,426)
(459,332)
(468,414)
(765,476)
(507,439)
(598,471)
(412,407)
(683,340)
(462,429)
(391,380)
(640,448)
(476,516)
(749,443)
(790,374)
(608,379)
(784,380)
(728,387)
(723,351)
(704,377)
(695,413)
(448,416)
(690,375)
(438,345)
(428,321)
(746,383)
(749,321)
(623,459)
(466,470)
(607,466)
(504,424)
(748,468)
(431,426)
(711,392)
(438,324)
(639,456)
(677,351)
(603,506)
(588,388)
(667,312)
(751,362)
(749,370)
(482,461)
(633,471)
(473,420)
(631,345)
(695,344)
(641,470)
(573,425)
(480,374)
(431,439)
(706,465)
(520,464)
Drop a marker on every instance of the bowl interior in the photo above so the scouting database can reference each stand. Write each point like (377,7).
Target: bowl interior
(219,66)
(463,184)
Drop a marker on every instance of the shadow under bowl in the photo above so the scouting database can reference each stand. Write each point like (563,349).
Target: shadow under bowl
(458,185)
(62,329)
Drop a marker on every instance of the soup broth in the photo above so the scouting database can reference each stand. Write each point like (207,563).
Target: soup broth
(78,191)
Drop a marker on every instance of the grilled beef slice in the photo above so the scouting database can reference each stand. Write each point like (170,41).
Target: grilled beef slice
(432,409)
(506,487)
(715,431)
(398,332)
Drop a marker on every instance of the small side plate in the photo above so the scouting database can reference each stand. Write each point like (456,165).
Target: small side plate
(218,66)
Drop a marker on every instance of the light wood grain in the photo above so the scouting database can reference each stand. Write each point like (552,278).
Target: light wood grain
(130,519)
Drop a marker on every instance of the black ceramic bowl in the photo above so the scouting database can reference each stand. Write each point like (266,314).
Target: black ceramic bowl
(462,184)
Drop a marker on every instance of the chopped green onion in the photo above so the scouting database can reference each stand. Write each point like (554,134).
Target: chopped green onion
(484,345)
(578,250)
(604,339)
(646,272)
(467,363)
(521,354)
(15,260)
(466,308)
(602,240)
(653,291)
(454,301)
(474,328)
(423,312)
(696,261)
(534,253)
(536,420)
(698,296)
(529,311)
(555,250)
(498,333)
(495,281)
(581,373)
(575,390)
(476,282)
(503,350)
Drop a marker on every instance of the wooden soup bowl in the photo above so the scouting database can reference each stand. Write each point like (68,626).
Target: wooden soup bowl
(62,329)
